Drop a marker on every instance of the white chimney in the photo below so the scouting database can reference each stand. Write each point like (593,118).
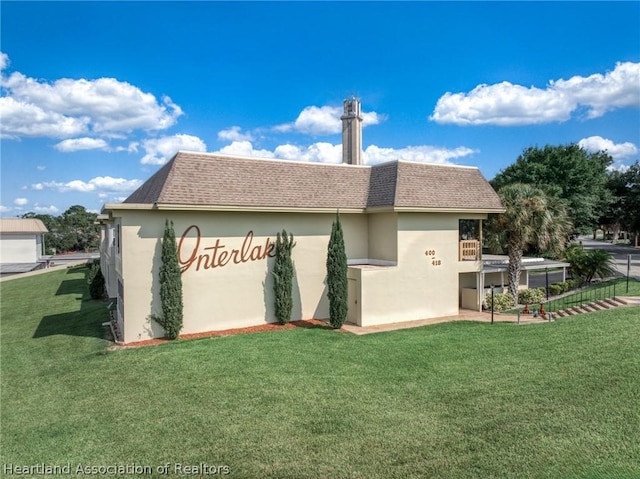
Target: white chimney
(351,132)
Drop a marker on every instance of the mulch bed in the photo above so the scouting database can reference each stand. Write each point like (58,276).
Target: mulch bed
(308,323)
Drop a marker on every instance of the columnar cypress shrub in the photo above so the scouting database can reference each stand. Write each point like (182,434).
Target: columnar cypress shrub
(283,277)
(337,286)
(96,285)
(170,284)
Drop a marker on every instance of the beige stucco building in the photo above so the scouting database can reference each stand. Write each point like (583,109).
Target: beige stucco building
(412,237)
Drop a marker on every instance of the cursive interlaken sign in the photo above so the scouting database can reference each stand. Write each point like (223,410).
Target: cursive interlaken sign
(219,255)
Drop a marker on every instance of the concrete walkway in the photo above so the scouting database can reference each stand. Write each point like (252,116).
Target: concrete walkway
(41,271)
(464,315)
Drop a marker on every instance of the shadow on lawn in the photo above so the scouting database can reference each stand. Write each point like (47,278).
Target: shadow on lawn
(85,322)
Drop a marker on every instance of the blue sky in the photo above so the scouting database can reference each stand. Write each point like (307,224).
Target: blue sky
(96,96)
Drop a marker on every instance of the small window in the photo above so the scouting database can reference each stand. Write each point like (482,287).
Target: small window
(469,229)
(117,239)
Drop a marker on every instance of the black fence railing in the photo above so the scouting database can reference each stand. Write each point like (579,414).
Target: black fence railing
(576,298)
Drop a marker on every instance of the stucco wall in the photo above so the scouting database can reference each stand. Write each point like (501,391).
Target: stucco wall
(424,284)
(383,237)
(228,285)
(227,292)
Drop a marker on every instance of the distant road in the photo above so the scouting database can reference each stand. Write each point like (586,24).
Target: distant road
(620,255)
(62,259)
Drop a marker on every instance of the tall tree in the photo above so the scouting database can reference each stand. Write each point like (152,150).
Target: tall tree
(337,285)
(52,239)
(568,172)
(79,225)
(625,210)
(170,284)
(283,277)
(632,210)
(532,219)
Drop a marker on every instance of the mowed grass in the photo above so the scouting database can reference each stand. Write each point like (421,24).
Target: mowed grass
(559,400)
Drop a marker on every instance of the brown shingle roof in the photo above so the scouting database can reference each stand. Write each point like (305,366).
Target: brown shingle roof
(212,180)
(440,186)
(22,225)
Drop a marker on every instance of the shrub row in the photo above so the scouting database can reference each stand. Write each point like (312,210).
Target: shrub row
(562,287)
(530,296)
(538,295)
(501,301)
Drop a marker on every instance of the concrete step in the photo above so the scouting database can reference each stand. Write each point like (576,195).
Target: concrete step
(599,305)
(604,304)
(629,300)
(596,307)
(613,302)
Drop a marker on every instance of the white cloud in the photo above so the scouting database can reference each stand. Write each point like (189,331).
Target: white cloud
(49,210)
(98,184)
(323,152)
(616,150)
(130,148)
(423,154)
(160,150)
(244,148)
(325,120)
(5,209)
(41,167)
(4,61)
(506,104)
(69,107)
(320,152)
(20,201)
(107,183)
(619,88)
(26,119)
(234,134)
(315,120)
(78,144)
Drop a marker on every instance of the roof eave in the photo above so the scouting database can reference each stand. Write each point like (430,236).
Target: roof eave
(427,209)
(227,208)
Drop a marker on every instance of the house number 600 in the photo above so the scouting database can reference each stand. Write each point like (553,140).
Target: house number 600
(430,252)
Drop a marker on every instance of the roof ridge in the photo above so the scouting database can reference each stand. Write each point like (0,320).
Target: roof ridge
(279,160)
(151,190)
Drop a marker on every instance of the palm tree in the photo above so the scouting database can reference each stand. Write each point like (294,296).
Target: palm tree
(532,219)
(589,264)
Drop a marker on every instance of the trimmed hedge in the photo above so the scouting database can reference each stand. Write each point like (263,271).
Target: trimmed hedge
(501,301)
(556,288)
(530,296)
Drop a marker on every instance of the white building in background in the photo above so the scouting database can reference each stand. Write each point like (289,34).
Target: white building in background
(21,245)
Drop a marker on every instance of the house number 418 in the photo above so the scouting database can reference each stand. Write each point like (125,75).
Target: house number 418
(432,253)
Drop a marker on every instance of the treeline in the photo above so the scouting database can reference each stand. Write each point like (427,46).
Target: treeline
(73,230)
(595,195)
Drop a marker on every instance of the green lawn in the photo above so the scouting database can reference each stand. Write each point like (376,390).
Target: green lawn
(556,400)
